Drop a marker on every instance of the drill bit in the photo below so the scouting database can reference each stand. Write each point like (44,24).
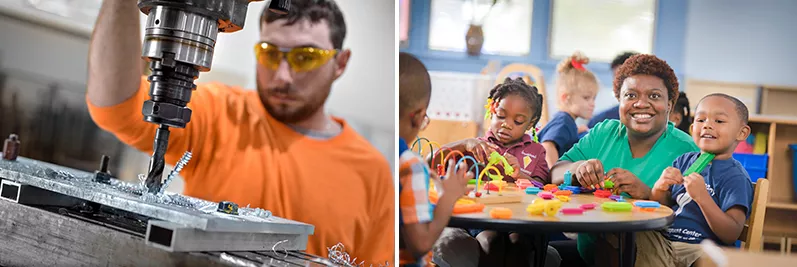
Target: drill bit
(157,163)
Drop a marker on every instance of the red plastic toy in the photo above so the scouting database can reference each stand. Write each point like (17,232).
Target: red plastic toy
(602,193)
(572,211)
(545,195)
(588,206)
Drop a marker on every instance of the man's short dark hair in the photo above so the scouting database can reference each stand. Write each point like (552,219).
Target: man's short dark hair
(741,108)
(620,59)
(315,11)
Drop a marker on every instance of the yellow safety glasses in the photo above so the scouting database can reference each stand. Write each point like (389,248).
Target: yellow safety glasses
(300,59)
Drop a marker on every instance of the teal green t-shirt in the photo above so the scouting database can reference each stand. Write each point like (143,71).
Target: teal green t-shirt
(608,142)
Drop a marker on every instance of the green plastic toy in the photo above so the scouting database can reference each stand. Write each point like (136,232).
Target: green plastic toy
(702,161)
(608,184)
(616,206)
(495,158)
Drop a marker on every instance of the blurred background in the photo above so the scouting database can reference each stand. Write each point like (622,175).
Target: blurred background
(739,47)
(43,71)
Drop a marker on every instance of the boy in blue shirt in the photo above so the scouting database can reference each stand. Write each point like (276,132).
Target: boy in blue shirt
(420,223)
(712,204)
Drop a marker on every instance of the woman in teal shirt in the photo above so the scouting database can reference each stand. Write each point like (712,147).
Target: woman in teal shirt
(636,149)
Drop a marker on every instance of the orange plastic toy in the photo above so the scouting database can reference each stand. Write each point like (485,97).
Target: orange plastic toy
(550,188)
(563,193)
(500,213)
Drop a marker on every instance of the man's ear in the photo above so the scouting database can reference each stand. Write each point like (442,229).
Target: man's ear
(341,61)
(743,134)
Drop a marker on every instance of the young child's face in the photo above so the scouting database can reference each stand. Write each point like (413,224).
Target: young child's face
(717,127)
(582,102)
(512,119)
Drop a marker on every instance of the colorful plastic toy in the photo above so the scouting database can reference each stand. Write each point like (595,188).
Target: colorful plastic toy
(467,206)
(549,207)
(500,213)
(608,184)
(617,198)
(572,211)
(588,206)
(545,195)
(563,193)
(550,188)
(617,206)
(700,163)
(523,183)
(563,198)
(496,158)
(647,204)
(568,178)
(532,190)
(602,193)
(537,184)
(574,189)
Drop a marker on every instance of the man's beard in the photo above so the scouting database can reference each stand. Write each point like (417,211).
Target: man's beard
(291,114)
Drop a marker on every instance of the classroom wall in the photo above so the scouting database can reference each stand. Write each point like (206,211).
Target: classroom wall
(742,41)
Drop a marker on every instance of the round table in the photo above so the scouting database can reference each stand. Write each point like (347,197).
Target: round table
(591,221)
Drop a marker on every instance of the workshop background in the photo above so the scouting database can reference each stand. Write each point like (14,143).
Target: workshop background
(43,71)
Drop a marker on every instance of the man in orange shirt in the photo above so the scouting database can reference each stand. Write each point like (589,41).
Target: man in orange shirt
(273,148)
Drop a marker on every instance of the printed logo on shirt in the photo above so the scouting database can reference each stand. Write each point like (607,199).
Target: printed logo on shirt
(526,161)
(524,153)
(684,198)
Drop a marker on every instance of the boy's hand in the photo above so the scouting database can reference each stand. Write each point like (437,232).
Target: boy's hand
(512,160)
(456,183)
(480,149)
(696,187)
(670,176)
(589,172)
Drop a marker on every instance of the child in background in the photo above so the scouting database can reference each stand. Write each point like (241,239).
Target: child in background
(712,204)
(680,114)
(513,107)
(418,229)
(576,89)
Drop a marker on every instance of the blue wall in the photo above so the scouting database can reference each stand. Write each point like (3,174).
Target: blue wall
(670,31)
(742,41)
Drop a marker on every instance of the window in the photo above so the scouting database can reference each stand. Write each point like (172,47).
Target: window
(506,25)
(602,28)
(404,21)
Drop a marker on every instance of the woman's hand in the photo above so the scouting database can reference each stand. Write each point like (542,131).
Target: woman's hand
(480,149)
(627,182)
(589,173)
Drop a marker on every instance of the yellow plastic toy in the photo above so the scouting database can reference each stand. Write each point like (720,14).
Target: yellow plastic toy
(549,207)
(563,198)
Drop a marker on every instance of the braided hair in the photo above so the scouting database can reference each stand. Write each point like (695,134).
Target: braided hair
(519,87)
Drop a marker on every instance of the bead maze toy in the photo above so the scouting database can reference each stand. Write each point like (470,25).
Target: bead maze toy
(496,182)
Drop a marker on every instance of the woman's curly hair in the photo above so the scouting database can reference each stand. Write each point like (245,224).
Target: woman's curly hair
(647,65)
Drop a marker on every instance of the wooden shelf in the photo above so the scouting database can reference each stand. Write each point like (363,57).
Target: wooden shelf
(774,119)
(781,205)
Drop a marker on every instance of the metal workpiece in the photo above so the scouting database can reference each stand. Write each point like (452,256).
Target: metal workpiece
(179,238)
(175,208)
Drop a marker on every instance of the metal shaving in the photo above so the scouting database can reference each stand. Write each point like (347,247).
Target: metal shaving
(338,255)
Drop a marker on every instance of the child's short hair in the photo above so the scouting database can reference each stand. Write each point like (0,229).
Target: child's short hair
(519,87)
(415,85)
(571,76)
(621,58)
(741,108)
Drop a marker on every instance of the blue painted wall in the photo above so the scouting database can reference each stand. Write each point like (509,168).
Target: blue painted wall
(670,31)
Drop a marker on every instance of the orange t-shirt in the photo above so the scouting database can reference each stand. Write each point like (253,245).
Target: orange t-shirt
(343,185)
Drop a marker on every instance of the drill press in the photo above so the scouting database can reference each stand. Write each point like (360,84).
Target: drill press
(178,44)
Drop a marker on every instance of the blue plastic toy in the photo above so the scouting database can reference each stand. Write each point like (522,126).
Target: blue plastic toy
(532,190)
(647,204)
